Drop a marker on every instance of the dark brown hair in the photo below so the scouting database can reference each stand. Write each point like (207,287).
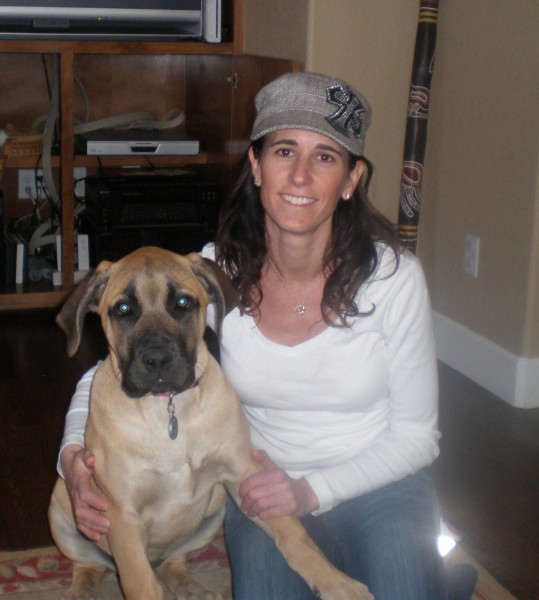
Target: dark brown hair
(351,256)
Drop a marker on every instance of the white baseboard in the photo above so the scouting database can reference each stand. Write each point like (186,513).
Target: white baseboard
(512,378)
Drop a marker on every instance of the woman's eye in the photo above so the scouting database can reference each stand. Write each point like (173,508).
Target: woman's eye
(123,309)
(284,152)
(326,158)
(184,302)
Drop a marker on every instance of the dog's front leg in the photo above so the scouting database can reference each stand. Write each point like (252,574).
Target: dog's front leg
(304,557)
(127,543)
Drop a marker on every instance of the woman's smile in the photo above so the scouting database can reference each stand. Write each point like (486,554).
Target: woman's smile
(298,200)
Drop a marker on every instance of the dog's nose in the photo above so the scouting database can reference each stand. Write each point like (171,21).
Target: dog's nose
(156,360)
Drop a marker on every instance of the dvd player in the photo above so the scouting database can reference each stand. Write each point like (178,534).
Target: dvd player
(120,142)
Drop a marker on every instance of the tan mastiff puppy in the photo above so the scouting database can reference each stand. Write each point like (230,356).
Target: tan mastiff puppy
(167,432)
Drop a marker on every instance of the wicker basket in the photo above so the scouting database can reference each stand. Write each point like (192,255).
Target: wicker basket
(24,144)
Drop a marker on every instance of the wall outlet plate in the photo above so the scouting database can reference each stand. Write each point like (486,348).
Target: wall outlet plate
(471,255)
(31,183)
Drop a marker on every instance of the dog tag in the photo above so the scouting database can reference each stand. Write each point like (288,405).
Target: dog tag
(173,427)
(172,421)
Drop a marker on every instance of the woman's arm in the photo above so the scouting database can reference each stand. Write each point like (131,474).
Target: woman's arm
(77,415)
(411,440)
(88,505)
(75,464)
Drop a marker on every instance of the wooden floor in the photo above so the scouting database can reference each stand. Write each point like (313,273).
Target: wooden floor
(488,480)
(487,475)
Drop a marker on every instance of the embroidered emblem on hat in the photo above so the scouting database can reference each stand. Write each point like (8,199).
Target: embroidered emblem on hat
(349,116)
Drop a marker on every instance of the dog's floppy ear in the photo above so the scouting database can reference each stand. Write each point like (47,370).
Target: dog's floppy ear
(216,283)
(84,299)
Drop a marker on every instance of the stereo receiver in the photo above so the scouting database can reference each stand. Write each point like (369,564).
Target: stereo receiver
(124,212)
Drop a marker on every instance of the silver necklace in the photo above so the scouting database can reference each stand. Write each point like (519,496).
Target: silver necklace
(299,309)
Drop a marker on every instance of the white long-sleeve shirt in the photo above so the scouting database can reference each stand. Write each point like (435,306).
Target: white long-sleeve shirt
(351,409)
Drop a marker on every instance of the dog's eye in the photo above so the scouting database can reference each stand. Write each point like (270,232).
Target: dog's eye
(123,309)
(184,302)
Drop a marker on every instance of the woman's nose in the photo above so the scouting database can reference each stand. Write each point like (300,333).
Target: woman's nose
(300,173)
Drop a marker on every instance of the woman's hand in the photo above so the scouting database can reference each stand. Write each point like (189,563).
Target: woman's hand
(272,493)
(86,502)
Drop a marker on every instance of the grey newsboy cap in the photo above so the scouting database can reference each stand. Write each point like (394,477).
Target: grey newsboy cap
(314,102)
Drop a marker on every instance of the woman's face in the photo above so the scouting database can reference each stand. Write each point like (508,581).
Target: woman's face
(302,177)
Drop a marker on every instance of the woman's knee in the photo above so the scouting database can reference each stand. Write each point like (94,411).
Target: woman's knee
(388,540)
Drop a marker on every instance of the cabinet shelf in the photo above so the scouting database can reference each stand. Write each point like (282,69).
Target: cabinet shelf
(27,300)
(203,158)
(103,47)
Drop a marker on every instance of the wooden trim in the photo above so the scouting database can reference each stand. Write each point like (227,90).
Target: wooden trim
(24,300)
(239,26)
(29,162)
(59,47)
(67,61)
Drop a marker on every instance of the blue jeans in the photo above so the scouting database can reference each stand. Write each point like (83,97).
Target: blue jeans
(385,539)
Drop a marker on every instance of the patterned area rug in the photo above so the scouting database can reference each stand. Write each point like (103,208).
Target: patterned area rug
(43,574)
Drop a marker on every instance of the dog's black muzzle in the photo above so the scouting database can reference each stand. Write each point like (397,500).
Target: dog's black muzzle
(159,364)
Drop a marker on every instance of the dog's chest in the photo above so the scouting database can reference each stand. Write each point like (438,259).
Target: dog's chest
(163,482)
(135,454)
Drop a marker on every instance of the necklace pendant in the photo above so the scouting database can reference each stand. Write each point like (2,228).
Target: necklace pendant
(300,309)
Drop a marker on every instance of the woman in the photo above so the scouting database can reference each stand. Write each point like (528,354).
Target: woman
(331,353)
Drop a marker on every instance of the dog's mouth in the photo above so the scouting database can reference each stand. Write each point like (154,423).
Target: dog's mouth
(163,389)
(163,394)
(157,389)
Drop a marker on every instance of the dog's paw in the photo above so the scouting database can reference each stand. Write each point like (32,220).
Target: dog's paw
(77,593)
(85,583)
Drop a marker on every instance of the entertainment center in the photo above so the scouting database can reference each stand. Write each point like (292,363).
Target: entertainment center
(214,84)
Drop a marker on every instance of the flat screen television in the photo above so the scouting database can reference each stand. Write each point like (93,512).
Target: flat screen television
(101,19)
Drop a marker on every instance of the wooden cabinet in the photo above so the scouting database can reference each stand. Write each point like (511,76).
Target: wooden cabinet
(214,84)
